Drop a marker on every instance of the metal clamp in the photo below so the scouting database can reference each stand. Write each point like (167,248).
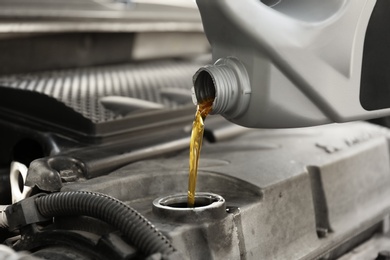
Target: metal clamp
(16,170)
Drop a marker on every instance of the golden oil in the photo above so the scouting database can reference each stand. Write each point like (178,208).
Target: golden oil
(203,109)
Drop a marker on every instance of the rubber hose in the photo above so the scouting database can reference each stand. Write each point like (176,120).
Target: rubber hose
(132,224)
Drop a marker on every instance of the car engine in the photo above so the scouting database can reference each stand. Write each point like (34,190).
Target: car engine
(95,122)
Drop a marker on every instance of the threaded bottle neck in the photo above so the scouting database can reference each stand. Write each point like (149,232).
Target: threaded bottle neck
(226,82)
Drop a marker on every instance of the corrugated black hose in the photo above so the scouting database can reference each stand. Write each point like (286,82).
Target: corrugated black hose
(132,224)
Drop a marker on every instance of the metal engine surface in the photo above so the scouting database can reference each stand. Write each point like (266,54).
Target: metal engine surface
(290,194)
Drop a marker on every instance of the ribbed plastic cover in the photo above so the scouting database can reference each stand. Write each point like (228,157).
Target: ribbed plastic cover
(80,89)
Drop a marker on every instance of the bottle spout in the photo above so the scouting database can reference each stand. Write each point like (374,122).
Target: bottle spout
(226,82)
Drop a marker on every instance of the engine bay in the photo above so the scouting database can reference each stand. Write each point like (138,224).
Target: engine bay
(94,152)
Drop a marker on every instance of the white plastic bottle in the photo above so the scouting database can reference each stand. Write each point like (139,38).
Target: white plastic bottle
(286,63)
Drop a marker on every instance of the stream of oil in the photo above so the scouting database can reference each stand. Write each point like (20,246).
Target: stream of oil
(203,109)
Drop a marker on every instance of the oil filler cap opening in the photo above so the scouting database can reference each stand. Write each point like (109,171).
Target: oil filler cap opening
(208,206)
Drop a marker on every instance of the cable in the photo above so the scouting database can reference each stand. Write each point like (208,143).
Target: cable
(132,224)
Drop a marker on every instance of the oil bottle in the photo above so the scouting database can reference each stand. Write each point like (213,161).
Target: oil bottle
(295,63)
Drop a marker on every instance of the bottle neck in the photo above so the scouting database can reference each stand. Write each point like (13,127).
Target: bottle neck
(226,82)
